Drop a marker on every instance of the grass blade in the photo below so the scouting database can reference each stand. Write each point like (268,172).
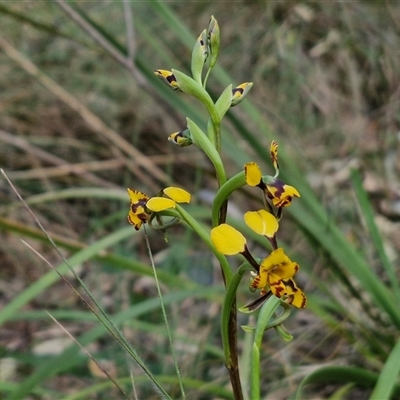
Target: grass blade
(368,214)
(388,378)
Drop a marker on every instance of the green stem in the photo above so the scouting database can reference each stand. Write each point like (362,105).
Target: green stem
(227,305)
(206,77)
(202,141)
(205,236)
(266,313)
(229,330)
(232,184)
(229,325)
(193,88)
(215,133)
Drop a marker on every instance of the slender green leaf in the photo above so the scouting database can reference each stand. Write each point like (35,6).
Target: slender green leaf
(361,377)
(368,215)
(389,376)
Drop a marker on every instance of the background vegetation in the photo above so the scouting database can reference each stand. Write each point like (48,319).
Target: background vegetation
(80,122)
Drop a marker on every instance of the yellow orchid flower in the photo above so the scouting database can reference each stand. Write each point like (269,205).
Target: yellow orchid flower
(275,274)
(277,191)
(137,212)
(175,195)
(141,205)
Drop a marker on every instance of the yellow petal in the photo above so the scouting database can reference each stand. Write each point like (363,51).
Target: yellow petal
(134,220)
(286,270)
(168,77)
(276,285)
(177,194)
(228,240)
(291,191)
(262,222)
(157,204)
(273,150)
(137,214)
(295,296)
(274,259)
(136,197)
(253,174)
(298,299)
(282,194)
(259,281)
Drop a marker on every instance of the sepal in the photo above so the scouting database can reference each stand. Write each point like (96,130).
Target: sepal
(224,102)
(214,40)
(188,85)
(255,304)
(199,56)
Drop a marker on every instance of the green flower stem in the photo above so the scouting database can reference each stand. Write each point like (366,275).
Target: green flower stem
(214,134)
(227,306)
(232,184)
(206,77)
(267,311)
(226,269)
(193,88)
(217,135)
(202,141)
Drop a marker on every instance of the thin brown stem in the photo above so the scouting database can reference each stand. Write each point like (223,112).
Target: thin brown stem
(233,366)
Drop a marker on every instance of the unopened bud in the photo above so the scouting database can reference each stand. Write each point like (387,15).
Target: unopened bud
(199,56)
(168,77)
(240,92)
(213,39)
(182,138)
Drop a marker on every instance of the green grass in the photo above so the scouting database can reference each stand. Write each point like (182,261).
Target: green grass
(325,77)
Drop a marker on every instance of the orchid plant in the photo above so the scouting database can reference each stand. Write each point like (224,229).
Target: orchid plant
(272,275)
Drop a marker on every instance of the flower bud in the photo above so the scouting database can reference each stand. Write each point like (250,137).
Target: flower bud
(182,138)
(199,56)
(240,92)
(168,77)
(213,39)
